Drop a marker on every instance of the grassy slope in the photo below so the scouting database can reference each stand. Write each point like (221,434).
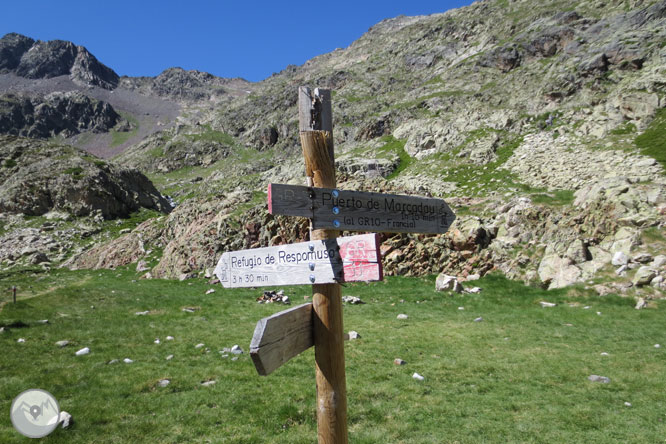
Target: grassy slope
(518,376)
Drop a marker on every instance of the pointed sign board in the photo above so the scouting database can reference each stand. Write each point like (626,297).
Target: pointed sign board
(280,337)
(361,211)
(344,259)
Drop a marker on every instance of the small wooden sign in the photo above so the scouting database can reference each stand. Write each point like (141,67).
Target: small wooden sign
(345,259)
(280,337)
(361,211)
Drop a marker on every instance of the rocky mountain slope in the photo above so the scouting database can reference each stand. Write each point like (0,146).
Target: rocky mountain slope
(543,124)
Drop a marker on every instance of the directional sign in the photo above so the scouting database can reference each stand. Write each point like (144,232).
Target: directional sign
(361,211)
(345,259)
(280,337)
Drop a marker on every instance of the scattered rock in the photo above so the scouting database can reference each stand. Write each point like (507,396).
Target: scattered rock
(352,300)
(157,341)
(398,361)
(127,361)
(2,329)
(445,282)
(644,276)
(473,277)
(20,340)
(142,313)
(142,265)
(209,291)
(402,316)
(545,304)
(62,343)
(169,338)
(191,309)
(83,351)
(199,345)
(604,354)
(627,404)
(354,335)
(473,290)
(461,308)
(479,319)
(619,258)
(417,377)
(163,382)
(65,419)
(657,346)
(113,361)
(271,296)
(597,378)
(43,321)
(208,383)
(642,258)
(659,261)
(169,358)
(236,350)
(641,304)
(602,290)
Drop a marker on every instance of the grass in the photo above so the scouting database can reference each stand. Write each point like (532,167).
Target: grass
(653,140)
(518,376)
(120,137)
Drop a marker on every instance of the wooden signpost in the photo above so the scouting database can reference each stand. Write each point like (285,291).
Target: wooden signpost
(345,259)
(361,211)
(324,261)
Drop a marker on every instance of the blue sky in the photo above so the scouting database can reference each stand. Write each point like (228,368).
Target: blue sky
(247,39)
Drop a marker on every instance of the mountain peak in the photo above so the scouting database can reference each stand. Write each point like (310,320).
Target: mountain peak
(32,59)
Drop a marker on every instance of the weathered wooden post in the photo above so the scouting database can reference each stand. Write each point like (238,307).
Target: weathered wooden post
(324,261)
(316,134)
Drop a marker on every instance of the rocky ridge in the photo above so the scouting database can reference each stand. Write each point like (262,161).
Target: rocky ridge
(523,116)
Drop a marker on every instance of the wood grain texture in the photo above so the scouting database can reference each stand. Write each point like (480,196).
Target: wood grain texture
(280,337)
(343,259)
(360,210)
(326,298)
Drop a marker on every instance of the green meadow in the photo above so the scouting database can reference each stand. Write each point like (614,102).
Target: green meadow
(520,375)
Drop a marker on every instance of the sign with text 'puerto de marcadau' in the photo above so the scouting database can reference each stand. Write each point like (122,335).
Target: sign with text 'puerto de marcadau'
(345,259)
(361,211)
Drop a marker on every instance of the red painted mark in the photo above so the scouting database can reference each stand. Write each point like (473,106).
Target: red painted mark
(361,258)
(270,201)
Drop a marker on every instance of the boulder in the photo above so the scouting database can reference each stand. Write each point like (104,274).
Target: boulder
(557,272)
(448,283)
(644,276)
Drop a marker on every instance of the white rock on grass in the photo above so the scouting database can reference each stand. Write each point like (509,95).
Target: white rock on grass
(461,308)
(142,313)
(199,345)
(445,282)
(627,404)
(169,338)
(83,351)
(545,304)
(210,291)
(43,321)
(20,340)
(597,378)
(169,358)
(157,341)
(479,319)
(604,354)
(473,290)
(657,346)
(398,361)
(417,377)
(208,383)
(352,300)
(62,343)
(354,335)
(163,382)
(127,361)
(236,350)
(402,316)
(65,419)
(641,304)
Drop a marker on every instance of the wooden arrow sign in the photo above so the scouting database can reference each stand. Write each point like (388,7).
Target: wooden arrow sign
(280,337)
(361,211)
(345,259)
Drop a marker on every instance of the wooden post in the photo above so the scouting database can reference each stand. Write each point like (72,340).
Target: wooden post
(316,134)
(14,293)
